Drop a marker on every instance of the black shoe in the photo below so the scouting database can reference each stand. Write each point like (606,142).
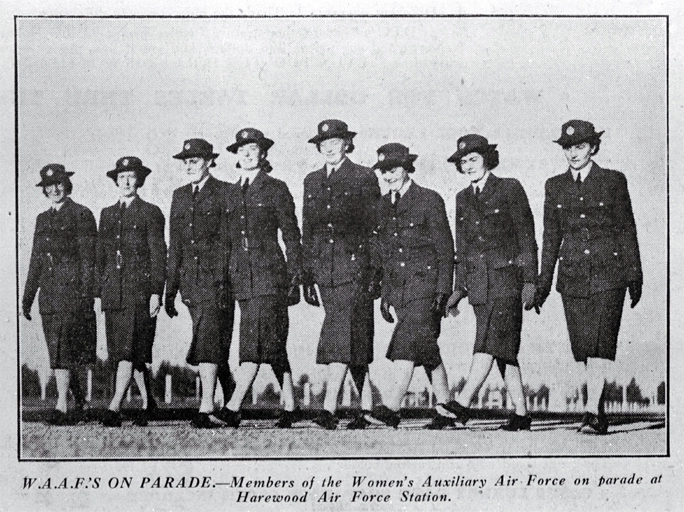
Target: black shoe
(111,418)
(460,413)
(287,418)
(204,420)
(359,422)
(517,422)
(60,419)
(440,422)
(326,419)
(142,418)
(386,415)
(593,424)
(230,418)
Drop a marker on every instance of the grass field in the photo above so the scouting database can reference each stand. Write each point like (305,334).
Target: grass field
(171,436)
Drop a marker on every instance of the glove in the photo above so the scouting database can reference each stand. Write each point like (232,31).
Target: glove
(456,297)
(542,294)
(155,305)
(529,296)
(385,311)
(438,306)
(293,296)
(634,288)
(375,285)
(170,307)
(26,312)
(310,295)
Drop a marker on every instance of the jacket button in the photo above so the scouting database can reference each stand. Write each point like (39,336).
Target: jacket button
(481,255)
(328,189)
(411,224)
(192,241)
(396,234)
(401,249)
(560,206)
(195,257)
(329,225)
(191,224)
(118,236)
(496,211)
(481,239)
(328,207)
(394,218)
(242,232)
(582,216)
(581,199)
(402,264)
(510,262)
(477,222)
(586,251)
(332,241)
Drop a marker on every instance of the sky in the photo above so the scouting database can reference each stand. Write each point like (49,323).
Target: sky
(93,90)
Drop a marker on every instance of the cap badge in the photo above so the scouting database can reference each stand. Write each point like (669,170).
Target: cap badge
(325,128)
(462,145)
(570,130)
(125,162)
(187,146)
(381,157)
(49,172)
(244,134)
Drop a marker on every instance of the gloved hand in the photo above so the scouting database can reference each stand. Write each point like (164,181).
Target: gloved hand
(155,305)
(542,293)
(385,311)
(439,303)
(375,285)
(293,296)
(310,295)
(26,312)
(170,307)
(634,288)
(529,297)
(456,297)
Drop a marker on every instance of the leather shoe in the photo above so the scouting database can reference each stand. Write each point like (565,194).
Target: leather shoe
(593,424)
(230,418)
(440,422)
(204,420)
(142,418)
(386,415)
(326,419)
(111,418)
(287,418)
(460,413)
(60,419)
(517,422)
(359,422)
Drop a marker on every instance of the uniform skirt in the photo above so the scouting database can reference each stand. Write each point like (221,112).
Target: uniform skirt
(347,332)
(499,322)
(212,330)
(71,338)
(130,334)
(594,323)
(415,336)
(264,324)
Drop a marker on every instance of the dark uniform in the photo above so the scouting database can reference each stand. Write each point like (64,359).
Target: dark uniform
(416,253)
(63,267)
(197,266)
(338,218)
(496,253)
(131,256)
(590,230)
(259,272)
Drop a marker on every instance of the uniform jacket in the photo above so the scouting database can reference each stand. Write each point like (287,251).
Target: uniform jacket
(257,264)
(591,232)
(131,254)
(413,245)
(198,252)
(496,249)
(338,218)
(62,259)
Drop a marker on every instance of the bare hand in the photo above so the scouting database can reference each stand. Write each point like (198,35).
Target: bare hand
(155,305)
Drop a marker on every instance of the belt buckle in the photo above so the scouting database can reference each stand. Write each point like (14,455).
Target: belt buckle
(584,234)
(119,259)
(245,243)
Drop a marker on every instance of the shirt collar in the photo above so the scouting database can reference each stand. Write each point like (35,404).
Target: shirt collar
(201,183)
(480,184)
(404,188)
(584,172)
(332,168)
(127,200)
(248,175)
(58,206)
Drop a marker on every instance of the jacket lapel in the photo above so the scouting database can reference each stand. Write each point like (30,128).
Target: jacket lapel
(206,191)
(255,186)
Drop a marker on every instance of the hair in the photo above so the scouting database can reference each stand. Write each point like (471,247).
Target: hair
(139,178)
(264,164)
(408,165)
(490,157)
(68,186)
(595,141)
(348,150)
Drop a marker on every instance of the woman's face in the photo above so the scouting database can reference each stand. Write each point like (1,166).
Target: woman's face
(579,155)
(473,166)
(249,156)
(395,178)
(127,181)
(56,192)
(333,150)
(196,168)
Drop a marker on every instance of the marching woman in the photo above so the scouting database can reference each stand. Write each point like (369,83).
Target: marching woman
(62,266)
(415,250)
(337,223)
(131,258)
(496,254)
(589,229)
(264,281)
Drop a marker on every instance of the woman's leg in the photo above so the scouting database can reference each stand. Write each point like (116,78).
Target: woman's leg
(402,372)
(124,371)
(244,378)
(139,378)
(596,371)
(333,384)
(479,370)
(440,384)
(62,376)
(514,384)
(207,373)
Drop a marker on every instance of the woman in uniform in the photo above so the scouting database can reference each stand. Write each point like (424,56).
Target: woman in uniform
(131,258)
(415,250)
(264,281)
(338,216)
(62,266)
(589,229)
(496,254)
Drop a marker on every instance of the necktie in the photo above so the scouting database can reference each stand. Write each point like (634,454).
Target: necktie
(245,186)
(195,191)
(477,192)
(578,181)
(122,209)
(397,196)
